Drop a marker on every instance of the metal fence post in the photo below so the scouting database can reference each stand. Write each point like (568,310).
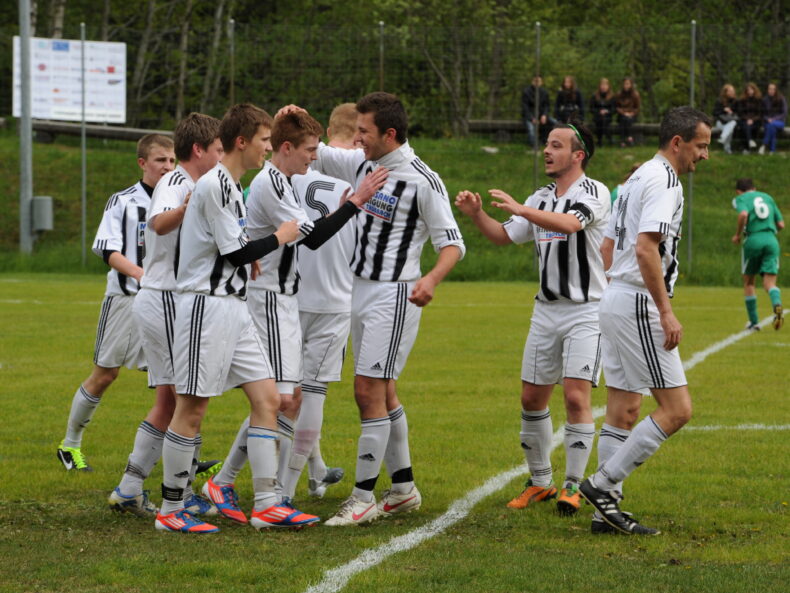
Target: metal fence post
(25,132)
(690,217)
(381,55)
(232,51)
(536,139)
(84,150)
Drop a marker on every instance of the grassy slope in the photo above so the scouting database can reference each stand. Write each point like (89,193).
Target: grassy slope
(461,163)
(718,496)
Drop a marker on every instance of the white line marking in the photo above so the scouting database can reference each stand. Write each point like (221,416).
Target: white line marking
(336,578)
(37,302)
(740,427)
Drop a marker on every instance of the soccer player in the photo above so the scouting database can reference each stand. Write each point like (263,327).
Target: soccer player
(272,297)
(198,150)
(639,328)
(120,242)
(759,219)
(388,293)
(324,311)
(566,219)
(216,346)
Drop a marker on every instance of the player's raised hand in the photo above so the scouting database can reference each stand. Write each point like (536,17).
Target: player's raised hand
(344,198)
(468,203)
(289,109)
(287,232)
(372,182)
(504,202)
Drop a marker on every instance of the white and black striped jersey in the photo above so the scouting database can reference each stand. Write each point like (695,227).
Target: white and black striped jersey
(650,202)
(393,226)
(214,225)
(122,229)
(571,266)
(161,251)
(326,277)
(270,203)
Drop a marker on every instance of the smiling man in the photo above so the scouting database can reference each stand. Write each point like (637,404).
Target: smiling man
(639,328)
(566,220)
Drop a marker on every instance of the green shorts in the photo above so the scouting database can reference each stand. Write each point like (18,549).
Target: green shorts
(760,254)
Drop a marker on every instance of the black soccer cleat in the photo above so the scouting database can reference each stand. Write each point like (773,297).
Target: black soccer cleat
(206,469)
(599,526)
(608,506)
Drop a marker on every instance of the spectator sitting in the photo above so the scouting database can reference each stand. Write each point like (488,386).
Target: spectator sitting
(535,111)
(628,103)
(774,116)
(602,108)
(750,115)
(725,116)
(569,101)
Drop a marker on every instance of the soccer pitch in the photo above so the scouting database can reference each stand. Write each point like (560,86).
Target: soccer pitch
(718,489)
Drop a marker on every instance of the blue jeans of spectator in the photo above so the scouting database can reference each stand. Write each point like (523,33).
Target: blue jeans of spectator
(726,128)
(626,123)
(772,130)
(544,131)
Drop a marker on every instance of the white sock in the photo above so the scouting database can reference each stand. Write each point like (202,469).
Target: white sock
(237,457)
(146,452)
(644,440)
(306,431)
(578,446)
(83,405)
(262,450)
(536,431)
(370,453)
(610,440)
(193,468)
(285,429)
(397,455)
(177,453)
(316,466)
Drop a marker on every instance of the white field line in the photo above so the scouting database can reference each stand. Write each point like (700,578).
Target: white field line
(336,579)
(739,427)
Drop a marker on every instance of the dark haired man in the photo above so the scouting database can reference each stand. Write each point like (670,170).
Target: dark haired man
(759,219)
(566,220)
(639,328)
(388,293)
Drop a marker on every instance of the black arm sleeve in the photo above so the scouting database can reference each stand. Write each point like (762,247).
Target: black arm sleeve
(106,253)
(325,228)
(252,251)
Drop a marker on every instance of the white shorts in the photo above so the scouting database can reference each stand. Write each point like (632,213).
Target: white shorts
(155,315)
(276,318)
(325,336)
(216,346)
(634,357)
(117,336)
(564,342)
(383,327)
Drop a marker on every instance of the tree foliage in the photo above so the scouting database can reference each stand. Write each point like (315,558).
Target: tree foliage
(449,61)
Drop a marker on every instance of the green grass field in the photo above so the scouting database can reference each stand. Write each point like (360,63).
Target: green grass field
(720,496)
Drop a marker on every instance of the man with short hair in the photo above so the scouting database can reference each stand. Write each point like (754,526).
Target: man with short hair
(198,150)
(566,219)
(120,242)
(759,219)
(216,346)
(272,297)
(639,328)
(388,293)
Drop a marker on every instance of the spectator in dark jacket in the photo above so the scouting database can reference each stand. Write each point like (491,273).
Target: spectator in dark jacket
(602,107)
(774,117)
(569,101)
(535,111)
(628,104)
(750,114)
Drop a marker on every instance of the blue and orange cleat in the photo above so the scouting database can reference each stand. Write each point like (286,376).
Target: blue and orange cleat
(182,522)
(225,499)
(281,515)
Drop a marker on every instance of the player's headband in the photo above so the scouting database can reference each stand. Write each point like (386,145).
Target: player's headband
(579,136)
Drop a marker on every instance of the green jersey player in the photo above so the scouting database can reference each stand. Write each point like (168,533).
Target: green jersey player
(759,220)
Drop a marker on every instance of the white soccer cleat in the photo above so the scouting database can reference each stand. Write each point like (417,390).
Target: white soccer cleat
(136,504)
(393,503)
(354,511)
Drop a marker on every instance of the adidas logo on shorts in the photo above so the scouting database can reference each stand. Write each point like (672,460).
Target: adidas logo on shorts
(586,369)
(578,445)
(376,367)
